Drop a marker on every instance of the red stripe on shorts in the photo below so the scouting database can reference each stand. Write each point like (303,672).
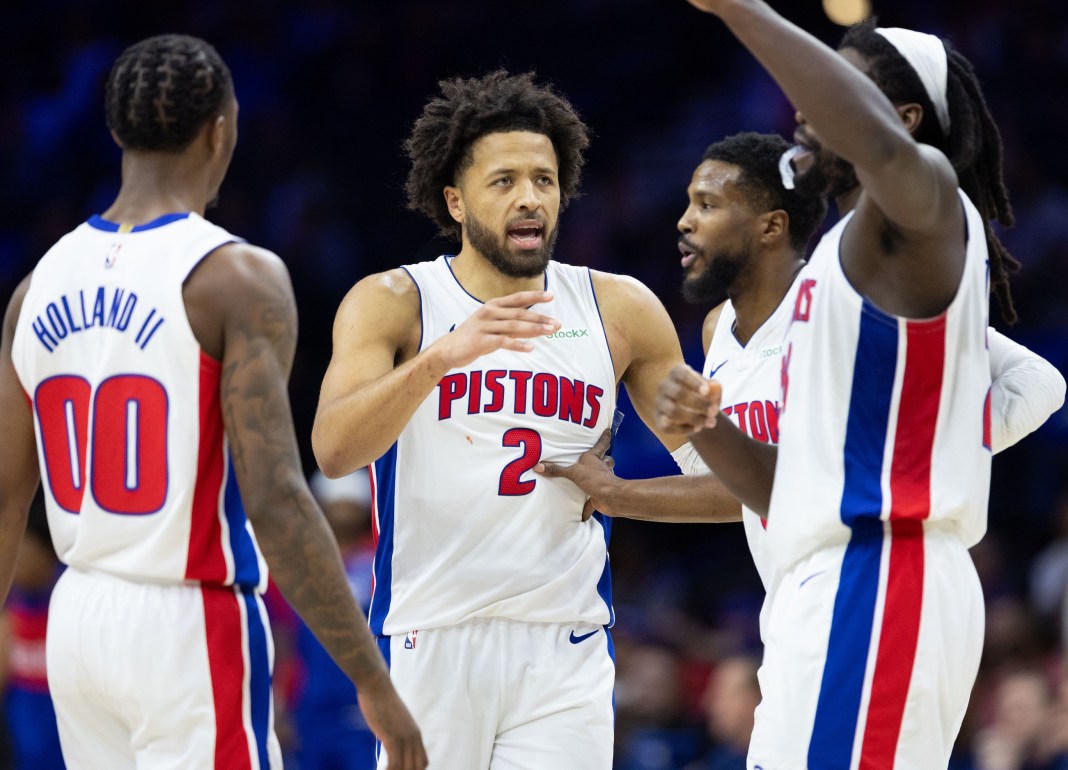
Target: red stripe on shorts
(226,660)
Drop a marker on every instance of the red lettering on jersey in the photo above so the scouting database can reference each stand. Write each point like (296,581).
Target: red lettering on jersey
(771,411)
(474,393)
(451,387)
(593,398)
(740,411)
(542,393)
(571,401)
(758,425)
(520,379)
(496,389)
(803,303)
(546,395)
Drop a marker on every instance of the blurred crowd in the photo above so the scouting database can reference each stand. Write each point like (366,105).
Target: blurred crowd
(328,90)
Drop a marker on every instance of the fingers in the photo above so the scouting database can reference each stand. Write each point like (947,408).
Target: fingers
(686,402)
(600,447)
(522,299)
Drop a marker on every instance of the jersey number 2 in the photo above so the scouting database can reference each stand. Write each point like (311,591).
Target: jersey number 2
(129,467)
(511,482)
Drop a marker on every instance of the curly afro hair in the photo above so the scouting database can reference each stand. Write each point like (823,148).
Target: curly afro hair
(440,145)
(162,90)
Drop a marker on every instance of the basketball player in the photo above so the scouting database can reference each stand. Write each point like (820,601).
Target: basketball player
(455,378)
(144,366)
(744,235)
(881,477)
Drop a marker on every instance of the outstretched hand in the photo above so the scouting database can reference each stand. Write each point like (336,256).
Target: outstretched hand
(502,323)
(591,473)
(687,402)
(393,725)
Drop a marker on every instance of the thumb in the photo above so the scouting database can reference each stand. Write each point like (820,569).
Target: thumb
(549,469)
(603,443)
(587,509)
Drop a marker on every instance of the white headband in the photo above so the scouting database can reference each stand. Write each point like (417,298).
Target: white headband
(928,58)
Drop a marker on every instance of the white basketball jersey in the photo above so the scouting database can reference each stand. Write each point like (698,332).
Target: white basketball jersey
(884,419)
(135,463)
(751,376)
(464,527)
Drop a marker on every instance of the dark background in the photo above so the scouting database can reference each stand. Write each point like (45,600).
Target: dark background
(328,91)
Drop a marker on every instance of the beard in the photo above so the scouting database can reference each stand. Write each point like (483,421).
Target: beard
(713,284)
(496,250)
(829,177)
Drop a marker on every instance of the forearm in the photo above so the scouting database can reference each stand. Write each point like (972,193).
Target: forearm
(306,565)
(676,499)
(745,467)
(357,428)
(849,112)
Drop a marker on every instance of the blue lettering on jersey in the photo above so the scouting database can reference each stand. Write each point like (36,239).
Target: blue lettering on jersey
(541,393)
(105,307)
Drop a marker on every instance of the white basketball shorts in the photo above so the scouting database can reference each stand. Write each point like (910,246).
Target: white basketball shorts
(872,649)
(167,677)
(497,694)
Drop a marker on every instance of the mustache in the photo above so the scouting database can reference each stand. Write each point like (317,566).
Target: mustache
(684,241)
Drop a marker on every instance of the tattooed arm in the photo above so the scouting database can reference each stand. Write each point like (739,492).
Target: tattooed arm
(241,307)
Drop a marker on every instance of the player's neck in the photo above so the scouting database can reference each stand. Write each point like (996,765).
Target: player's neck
(847,201)
(482,280)
(154,184)
(758,295)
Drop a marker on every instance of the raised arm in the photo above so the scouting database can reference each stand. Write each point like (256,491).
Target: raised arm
(19,471)
(912,185)
(249,291)
(377,376)
(1026,390)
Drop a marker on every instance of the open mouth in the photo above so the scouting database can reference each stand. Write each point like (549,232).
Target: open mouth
(689,254)
(527,234)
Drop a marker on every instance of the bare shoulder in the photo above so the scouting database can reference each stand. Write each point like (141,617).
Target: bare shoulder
(621,296)
(392,292)
(708,328)
(239,285)
(637,324)
(383,308)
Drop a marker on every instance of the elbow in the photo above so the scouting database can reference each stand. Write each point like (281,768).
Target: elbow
(329,456)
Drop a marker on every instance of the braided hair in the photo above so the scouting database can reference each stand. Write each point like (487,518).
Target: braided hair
(973,145)
(162,90)
(757,157)
(442,138)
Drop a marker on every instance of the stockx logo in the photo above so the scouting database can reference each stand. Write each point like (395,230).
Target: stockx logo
(568,334)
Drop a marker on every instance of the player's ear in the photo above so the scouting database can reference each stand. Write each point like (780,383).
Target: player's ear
(774,225)
(217,134)
(911,115)
(116,140)
(454,200)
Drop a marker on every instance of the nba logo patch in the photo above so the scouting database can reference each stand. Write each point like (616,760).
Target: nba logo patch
(112,255)
(409,640)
